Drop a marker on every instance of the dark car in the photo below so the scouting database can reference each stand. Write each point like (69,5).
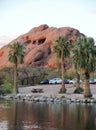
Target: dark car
(66,81)
(45,81)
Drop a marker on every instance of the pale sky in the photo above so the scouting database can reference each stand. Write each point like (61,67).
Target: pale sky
(19,16)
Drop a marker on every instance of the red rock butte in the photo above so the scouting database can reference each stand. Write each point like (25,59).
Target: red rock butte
(38,43)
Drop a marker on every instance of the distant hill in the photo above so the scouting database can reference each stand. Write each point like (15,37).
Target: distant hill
(38,42)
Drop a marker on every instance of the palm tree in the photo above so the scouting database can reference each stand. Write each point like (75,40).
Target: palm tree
(16,56)
(61,48)
(84,59)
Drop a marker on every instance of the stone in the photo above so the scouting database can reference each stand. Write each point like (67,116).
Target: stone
(38,43)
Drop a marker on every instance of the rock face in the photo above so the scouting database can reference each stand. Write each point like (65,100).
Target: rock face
(38,42)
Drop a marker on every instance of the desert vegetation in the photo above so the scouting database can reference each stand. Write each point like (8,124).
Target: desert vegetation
(82,53)
(16,56)
(61,48)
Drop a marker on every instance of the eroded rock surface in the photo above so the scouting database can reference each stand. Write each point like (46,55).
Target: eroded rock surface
(38,42)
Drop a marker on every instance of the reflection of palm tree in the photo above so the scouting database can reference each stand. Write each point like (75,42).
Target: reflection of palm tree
(87,120)
(15,114)
(16,56)
(84,58)
(61,48)
(17,121)
(12,116)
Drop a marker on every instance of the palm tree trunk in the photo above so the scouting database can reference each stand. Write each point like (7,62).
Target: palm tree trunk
(15,79)
(62,72)
(87,91)
(78,80)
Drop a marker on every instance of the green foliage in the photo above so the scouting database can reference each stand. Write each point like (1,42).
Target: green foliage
(16,56)
(84,59)
(63,97)
(78,90)
(61,47)
(2,90)
(6,88)
(62,90)
(16,53)
(9,88)
(70,74)
(29,75)
(84,54)
(7,81)
(52,73)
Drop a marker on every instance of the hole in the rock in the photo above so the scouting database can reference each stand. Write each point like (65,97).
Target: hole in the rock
(41,41)
(34,42)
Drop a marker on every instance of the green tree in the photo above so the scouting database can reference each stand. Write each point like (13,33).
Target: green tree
(84,59)
(61,48)
(16,56)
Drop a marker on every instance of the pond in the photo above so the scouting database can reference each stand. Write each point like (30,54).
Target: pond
(46,116)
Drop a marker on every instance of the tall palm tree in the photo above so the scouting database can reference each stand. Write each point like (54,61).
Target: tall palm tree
(16,56)
(84,59)
(61,48)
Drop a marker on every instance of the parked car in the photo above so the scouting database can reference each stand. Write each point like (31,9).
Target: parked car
(72,81)
(55,81)
(92,81)
(67,81)
(45,81)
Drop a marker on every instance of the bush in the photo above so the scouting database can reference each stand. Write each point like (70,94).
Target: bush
(6,88)
(2,90)
(62,90)
(78,90)
(70,74)
(63,97)
(9,88)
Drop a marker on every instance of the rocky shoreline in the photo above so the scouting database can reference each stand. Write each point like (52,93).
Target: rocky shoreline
(44,99)
(50,94)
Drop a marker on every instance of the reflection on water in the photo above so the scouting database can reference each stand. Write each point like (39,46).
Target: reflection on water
(43,116)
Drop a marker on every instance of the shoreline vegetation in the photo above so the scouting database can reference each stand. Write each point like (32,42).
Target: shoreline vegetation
(51,94)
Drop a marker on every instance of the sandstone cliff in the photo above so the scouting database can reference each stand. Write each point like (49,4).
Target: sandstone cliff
(38,42)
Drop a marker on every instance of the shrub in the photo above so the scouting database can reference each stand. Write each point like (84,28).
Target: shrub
(63,97)
(78,90)
(2,90)
(62,90)
(6,89)
(70,74)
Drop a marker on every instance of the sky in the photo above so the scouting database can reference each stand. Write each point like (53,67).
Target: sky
(19,16)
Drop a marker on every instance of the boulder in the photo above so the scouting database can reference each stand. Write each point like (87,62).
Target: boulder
(38,43)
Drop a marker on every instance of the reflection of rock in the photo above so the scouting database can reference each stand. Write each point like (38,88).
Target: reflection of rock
(38,42)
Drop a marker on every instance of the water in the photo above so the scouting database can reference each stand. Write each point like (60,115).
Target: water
(44,116)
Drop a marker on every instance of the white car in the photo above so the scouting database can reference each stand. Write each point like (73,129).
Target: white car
(72,81)
(92,81)
(55,81)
